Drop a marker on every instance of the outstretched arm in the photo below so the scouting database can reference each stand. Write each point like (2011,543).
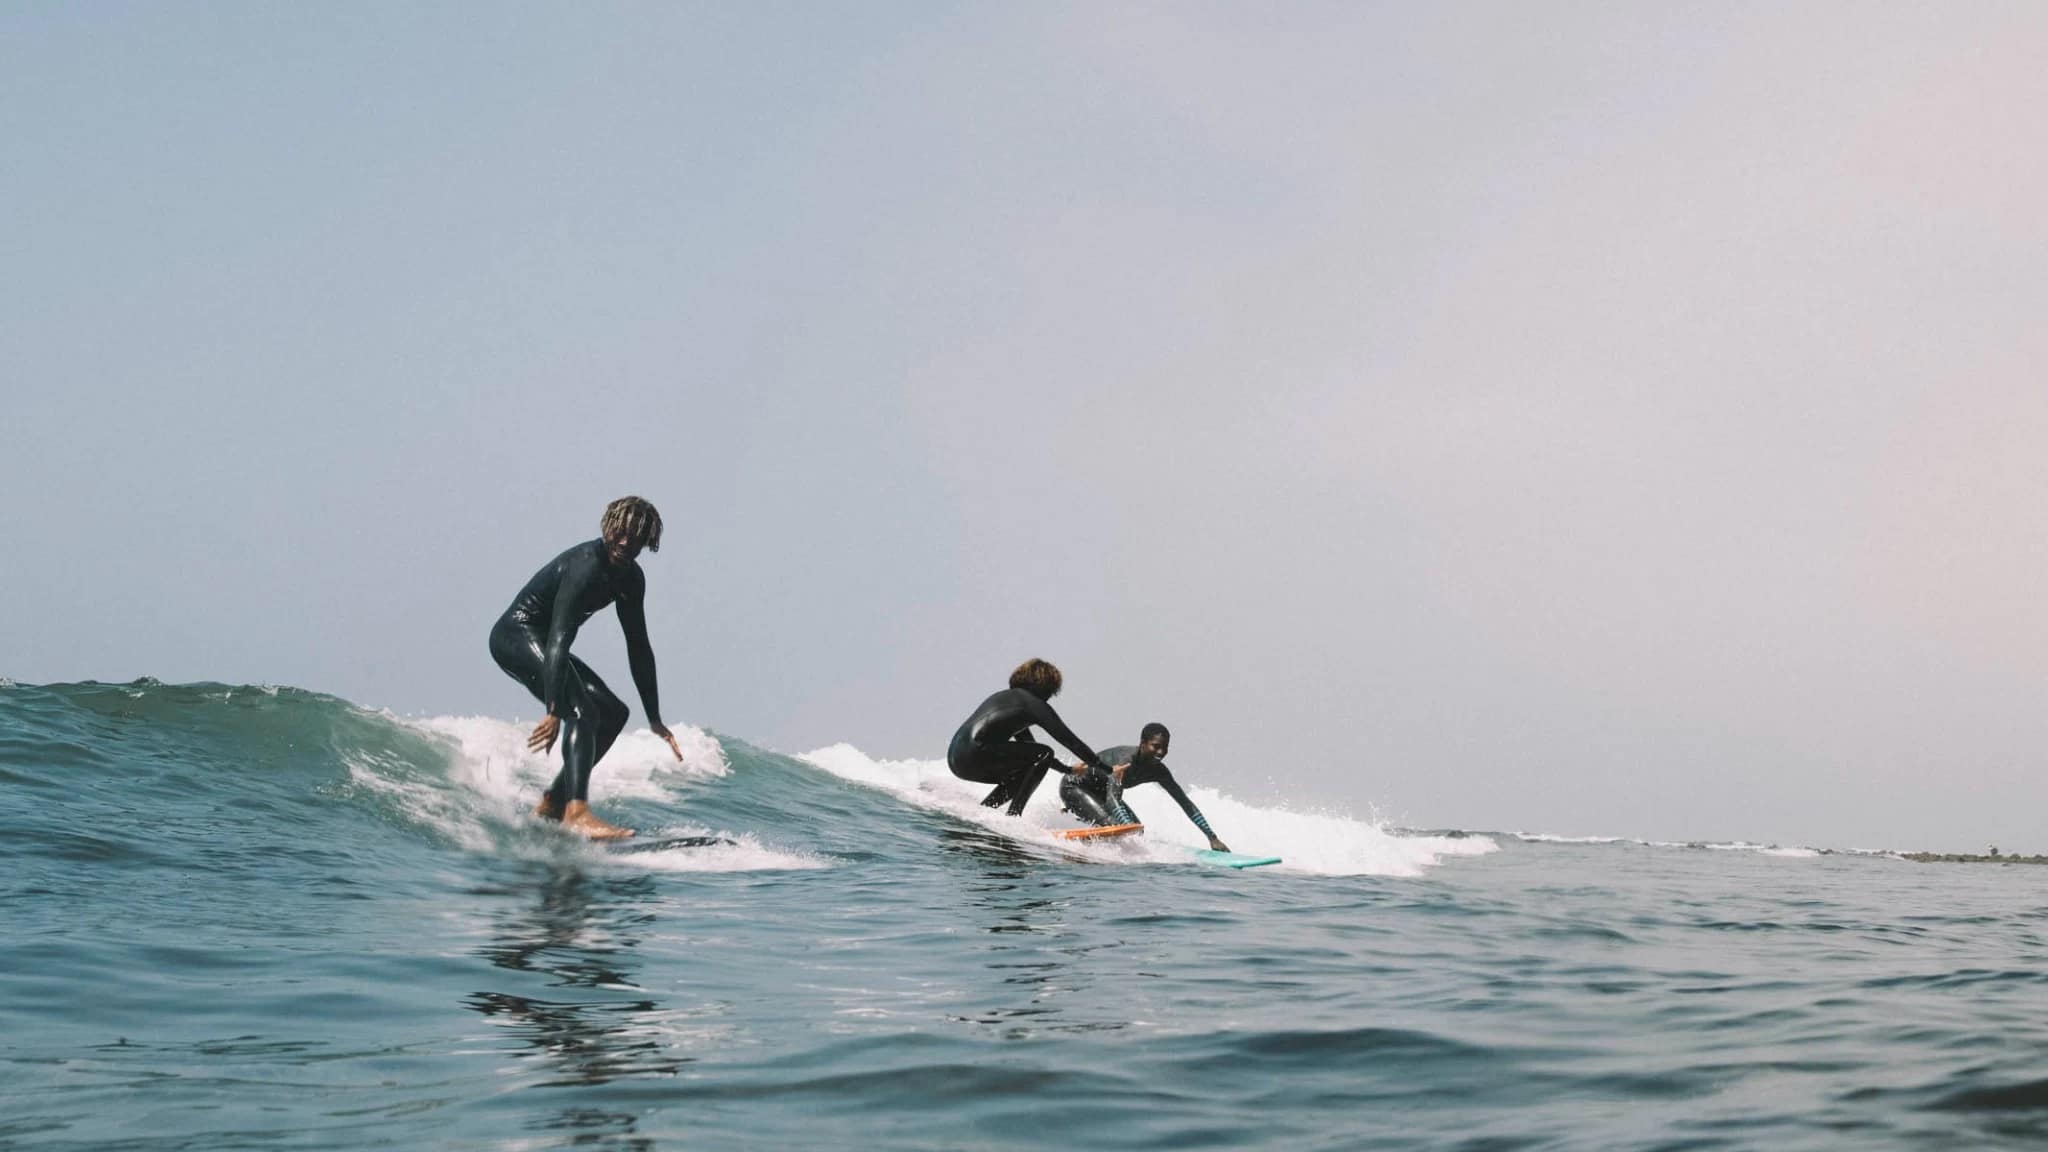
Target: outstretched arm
(1180,797)
(640,656)
(1043,716)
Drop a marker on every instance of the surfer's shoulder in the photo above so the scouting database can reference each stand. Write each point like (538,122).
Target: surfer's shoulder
(1005,700)
(577,554)
(632,579)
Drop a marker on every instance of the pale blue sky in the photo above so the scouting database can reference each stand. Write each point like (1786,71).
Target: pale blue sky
(1585,418)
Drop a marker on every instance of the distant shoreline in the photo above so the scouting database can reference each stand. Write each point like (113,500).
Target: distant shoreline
(1969,858)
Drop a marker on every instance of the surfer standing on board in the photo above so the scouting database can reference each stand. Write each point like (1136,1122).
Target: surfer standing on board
(1098,797)
(531,643)
(995,745)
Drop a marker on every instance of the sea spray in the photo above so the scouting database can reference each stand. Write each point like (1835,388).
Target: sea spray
(482,794)
(1319,843)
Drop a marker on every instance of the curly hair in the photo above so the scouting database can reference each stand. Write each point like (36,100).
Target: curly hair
(636,518)
(1037,677)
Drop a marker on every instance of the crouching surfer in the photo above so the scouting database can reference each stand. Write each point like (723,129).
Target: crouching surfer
(1098,796)
(531,643)
(995,745)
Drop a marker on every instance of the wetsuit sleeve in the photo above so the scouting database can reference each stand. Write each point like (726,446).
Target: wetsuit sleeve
(1043,716)
(561,634)
(1165,780)
(639,652)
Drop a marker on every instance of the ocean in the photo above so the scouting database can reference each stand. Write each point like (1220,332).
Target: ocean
(263,918)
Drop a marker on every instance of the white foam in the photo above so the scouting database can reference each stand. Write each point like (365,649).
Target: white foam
(484,802)
(1324,843)
(492,761)
(1793,852)
(745,854)
(1547,838)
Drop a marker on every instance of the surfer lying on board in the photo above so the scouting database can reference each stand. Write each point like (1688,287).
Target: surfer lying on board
(531,643)
(995,745)
(1098,797)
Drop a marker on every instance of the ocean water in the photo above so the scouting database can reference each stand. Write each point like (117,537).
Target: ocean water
(261,918)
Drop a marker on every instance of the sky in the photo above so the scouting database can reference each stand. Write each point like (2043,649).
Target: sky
(1599,419)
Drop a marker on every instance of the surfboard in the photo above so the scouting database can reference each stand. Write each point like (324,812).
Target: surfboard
(1092,833)
(1232,859)
(662,844)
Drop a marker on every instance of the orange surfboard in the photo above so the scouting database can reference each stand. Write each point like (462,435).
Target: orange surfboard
(1092,833)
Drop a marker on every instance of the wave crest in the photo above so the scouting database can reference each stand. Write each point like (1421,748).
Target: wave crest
(1319,843)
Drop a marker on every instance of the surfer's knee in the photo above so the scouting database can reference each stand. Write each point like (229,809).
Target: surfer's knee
(1085,804)
(1027,781)
(612,714)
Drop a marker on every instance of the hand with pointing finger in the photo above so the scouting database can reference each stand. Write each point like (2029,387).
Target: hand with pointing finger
(662,731)
(544,733)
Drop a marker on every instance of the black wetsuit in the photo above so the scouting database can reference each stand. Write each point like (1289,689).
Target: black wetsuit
(531,643)
(1097,799)
(995,746)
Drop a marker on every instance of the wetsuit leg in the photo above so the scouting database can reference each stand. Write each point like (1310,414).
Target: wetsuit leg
(1015,768)
(1086,803)
(1020,787)
(592,717)
(611,714)
(995,763)
(517,651)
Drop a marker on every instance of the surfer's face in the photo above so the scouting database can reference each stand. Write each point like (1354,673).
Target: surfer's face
(619,547)
(1154,747)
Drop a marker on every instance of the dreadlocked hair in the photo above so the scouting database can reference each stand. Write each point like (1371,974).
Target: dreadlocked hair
(636,518)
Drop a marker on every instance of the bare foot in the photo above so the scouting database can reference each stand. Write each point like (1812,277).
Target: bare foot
(546,809)
(582,819)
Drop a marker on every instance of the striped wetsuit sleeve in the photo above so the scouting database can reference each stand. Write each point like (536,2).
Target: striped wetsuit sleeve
(1164,778)
(1119,809)
(1173,789)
